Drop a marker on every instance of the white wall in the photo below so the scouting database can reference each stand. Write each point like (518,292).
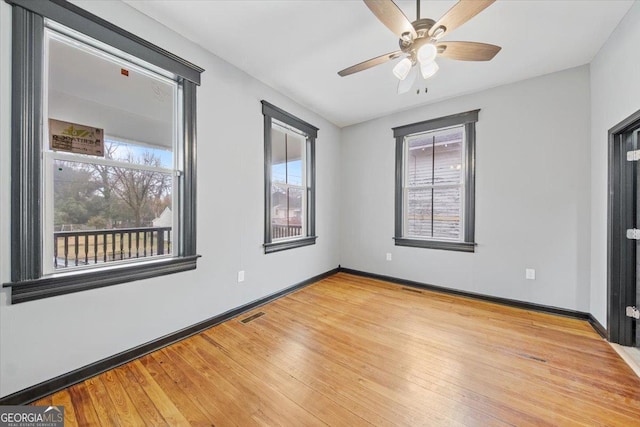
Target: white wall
(532,195)
(615,95)
(42,339)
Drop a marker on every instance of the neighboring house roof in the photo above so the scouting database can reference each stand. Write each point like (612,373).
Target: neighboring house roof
(165,219)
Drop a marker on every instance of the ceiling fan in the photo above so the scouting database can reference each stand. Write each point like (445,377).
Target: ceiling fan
(420,40)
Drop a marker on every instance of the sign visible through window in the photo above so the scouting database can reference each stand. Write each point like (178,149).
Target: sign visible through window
(75,138)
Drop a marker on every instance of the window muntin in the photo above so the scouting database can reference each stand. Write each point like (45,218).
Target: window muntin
(433,187)
(116,208)
(289,146)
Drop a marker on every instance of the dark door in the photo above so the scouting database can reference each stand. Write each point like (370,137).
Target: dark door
(635,134)
(623,251)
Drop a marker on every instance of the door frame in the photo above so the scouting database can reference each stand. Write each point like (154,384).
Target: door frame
(621,252)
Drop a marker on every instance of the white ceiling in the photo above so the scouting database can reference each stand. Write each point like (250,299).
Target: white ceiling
(297,47)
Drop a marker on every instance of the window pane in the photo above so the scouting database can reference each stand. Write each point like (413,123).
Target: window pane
(286,211)
(420,160)
(130,152)
(92,88)
(448,153)
(295,211)
(105,213)
(287,151)
(418,211)
(447,213)
(295,149)
(278,155)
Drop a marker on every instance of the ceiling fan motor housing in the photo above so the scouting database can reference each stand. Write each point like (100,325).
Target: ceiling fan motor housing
(410,45)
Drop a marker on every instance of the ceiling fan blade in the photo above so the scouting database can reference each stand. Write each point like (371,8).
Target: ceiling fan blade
(467,51)
(370,63)
(405,85)
(460,13)
(390,15)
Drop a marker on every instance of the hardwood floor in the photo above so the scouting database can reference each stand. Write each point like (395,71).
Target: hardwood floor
(353,351)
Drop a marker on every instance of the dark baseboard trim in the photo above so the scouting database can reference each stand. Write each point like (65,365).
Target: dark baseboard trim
(63,381)
(601,330)
(498,300)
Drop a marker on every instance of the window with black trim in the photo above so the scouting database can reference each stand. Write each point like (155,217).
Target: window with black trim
(103,154)
(435,183)
(289,147)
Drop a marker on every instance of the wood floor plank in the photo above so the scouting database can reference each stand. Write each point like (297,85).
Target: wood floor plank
(101,402)
(333,348)
(384,401)
(350,350)
(83,407)
(63,398)
(464,309)
(186,379)
(246,388)
(144,405)
(307,370)
(176,391)
(316,379)
(318,404)
(580,411)
(122,405)
(166,408)
(524,343)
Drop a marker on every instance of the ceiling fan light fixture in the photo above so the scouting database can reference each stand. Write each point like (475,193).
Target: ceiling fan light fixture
(402,68)
(427,53)
(428,69)
(405,85)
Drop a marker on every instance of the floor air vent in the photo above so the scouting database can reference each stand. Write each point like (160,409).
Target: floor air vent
(252,317)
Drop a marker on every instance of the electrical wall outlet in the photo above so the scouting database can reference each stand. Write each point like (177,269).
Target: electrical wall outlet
(388,256)
(530,274)
(240,276)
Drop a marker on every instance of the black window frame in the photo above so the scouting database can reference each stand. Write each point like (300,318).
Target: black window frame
(271,112)
(468,120)
(28,23)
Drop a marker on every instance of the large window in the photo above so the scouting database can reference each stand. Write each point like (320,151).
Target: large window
(104,154)
(115,204)
(289,180)
(435,183)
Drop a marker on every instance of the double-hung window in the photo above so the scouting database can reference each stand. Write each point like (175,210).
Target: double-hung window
(289,180)
(104,196)
(435,182)
(103,154)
